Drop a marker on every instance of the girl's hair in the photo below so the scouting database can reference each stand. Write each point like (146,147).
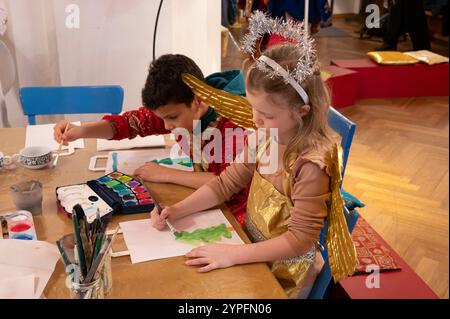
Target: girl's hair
(314,131)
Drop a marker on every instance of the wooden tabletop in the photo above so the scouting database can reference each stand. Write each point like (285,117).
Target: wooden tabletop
(165,278)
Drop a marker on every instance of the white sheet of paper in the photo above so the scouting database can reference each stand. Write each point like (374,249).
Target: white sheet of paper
(126,144)
(42,135)
(19,258)
(147,243)
(128,161)
(17,287)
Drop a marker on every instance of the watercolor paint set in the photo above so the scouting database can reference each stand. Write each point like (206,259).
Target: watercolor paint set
(112,193)
(18,225)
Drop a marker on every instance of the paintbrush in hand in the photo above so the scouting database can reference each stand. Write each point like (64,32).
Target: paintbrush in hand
(173,230)
(60,147)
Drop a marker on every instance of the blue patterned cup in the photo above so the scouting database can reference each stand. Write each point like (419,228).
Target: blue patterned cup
(7,161)
(2,161)
(35,157)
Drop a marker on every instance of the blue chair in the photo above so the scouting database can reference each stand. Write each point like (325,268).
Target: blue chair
(346,129)
(70,100)
(321,287)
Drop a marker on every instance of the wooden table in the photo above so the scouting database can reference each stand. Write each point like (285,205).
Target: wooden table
(165,278)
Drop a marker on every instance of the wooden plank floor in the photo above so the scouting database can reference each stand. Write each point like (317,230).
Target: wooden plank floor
(398,164)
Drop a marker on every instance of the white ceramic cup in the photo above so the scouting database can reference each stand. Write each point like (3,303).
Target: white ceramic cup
(6,161)
(34,157)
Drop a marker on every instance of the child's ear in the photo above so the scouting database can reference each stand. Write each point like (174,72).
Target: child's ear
(304,110)
(198,102)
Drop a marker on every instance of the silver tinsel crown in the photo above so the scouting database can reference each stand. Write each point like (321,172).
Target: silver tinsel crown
(260,24)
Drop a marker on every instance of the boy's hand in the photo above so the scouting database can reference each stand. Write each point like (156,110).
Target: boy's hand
(158,218)
(73,132)
(213,256)
(155,173)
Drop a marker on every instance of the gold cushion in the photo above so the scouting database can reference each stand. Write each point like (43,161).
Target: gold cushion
(325,75)
(392,58)
(427,57)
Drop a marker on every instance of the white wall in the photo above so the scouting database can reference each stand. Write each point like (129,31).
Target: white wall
(113,44)
(346,6)
(196,31)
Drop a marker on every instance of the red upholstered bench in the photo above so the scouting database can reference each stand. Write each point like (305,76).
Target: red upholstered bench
(396,284)
(343,86)
(390,81)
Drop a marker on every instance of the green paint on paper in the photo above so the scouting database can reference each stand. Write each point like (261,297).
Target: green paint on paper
(168,161)
(184,161)
(205,235)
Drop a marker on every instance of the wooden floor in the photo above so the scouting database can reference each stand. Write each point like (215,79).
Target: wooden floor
(398,164)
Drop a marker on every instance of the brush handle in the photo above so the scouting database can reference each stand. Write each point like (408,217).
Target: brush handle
(63,253)
(100,259)
(172,229)
(97,246)
(81,258)
(61,142)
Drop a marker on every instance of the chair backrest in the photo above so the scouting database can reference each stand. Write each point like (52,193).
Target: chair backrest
(346,129)
(323,280)
(70,100)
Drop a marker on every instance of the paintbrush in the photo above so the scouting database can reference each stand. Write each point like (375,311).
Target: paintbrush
(82,217)
(97,246)
(100,259)
(63,253)
(80,250)
(94,226)
(60,147)
(173,230)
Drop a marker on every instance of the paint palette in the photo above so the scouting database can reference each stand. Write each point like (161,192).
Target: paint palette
(19,225)
(69,196)
(115,192)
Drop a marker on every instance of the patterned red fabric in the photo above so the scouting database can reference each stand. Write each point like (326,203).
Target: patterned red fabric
(144,122)
(369,249)
(237,203)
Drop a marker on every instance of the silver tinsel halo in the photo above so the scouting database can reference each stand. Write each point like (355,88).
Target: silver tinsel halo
(260,24)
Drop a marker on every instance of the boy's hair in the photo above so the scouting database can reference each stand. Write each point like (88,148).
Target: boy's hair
(313,127)
(164,84)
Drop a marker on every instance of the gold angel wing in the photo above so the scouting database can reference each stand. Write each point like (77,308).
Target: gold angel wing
(341,250)
(232,106)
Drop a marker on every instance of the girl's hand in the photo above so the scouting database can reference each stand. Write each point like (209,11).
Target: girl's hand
(73,132)
(158,218)
(152,172)
(213,256)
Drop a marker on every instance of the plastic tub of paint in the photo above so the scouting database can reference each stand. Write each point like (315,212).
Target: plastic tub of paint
(21,225)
